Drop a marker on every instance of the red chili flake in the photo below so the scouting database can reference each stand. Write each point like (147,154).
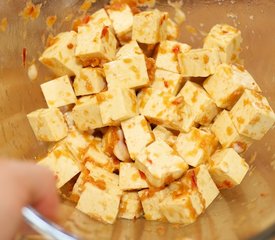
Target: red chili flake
(70,46)
(142,175)
(104,31)
(166,84)
(193,179)
(24,56)
(86,19)
(162,20)
(178,100)
(176,49)
(150,161)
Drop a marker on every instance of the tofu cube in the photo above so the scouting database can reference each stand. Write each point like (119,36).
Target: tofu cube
(122,19)
(129,50)
(130,206)
(62,163)
(128,72)
(160,163)
(100,18)
(196,146)
(227,134)
(114,144)
(58,92)
(167,57)
(198,62)
(89,81)
(252,115)
(167,81)
(163,134)
(203,107)
(162,108)
(86,114)
(157,31)
(130,178)
(227,85)
(150,200)
(172,30)
(59,57)
(109,101)
(78,143)
(227,40)
(227,168)
(48,124)
(94,44)
(142,98)
(138,134)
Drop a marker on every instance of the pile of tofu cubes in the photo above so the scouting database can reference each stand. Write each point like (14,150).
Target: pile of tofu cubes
(156,134)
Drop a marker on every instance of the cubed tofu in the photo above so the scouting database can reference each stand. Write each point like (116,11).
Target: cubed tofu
(130,178)
(252,115)
(130,206)
(163,134)
(227,40)
(98,18)
(150,200)
(196,146)
(198,62)
(129,50)
(114,144)
(122,19)
(167,57)
(227,134)
(78,143)
(89,81)
(227,168)
(94,44)
(62,163)
(172,30)
(160,163)
(86,114)
(183,204)
(59,57)
(109,101)
(162,108)
(203,107)
(157,31)
(138,134)
(142,97)
(227,85)
(48,124)
(130,72)
(167,81)
(58,92)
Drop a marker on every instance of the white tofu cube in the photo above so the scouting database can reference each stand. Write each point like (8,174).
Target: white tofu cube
(252,115)
(227,168)
(48,124)
(89,81)
(114,144)
(227,134)
(172,30)
(58,92)
(162,108)
(227,40)
(130,178)
(198,62)
(62,163)
(59,57)
(203,107)
(227,85)
(86,114)
(157,31)
(130,206)
(163,134)
(130,72)
(160,163)
(129,50)
(196,146)
(167,81)
(98,18)
(78,143)
(167,57)
(138,134)
(122,19)
(94,44)
(150,200)
(109,101)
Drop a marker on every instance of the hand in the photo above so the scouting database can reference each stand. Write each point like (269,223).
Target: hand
(23,184)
